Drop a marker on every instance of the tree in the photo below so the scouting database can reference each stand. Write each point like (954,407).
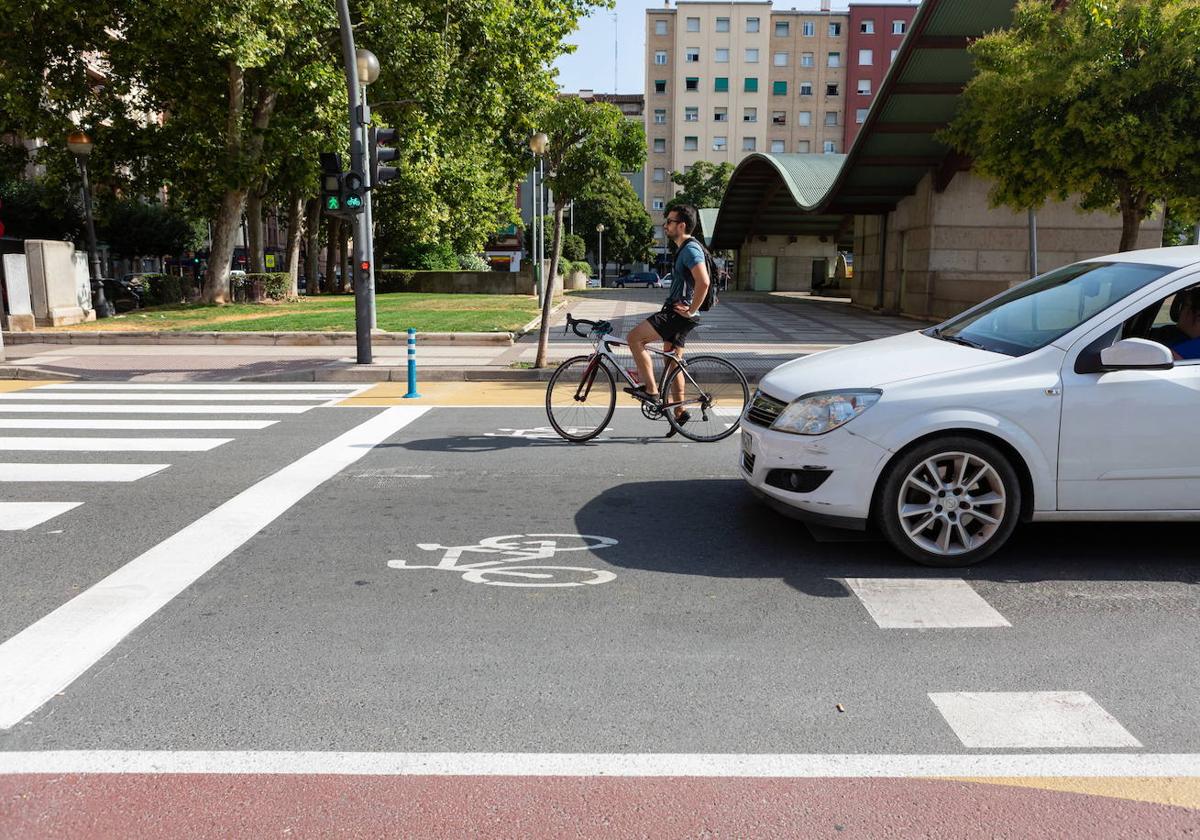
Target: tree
(591,143)
(35,210)
(628,228)
(703,185)
(1101,99)
(134,228)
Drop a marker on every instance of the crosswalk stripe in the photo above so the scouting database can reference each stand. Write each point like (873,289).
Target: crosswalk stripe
(21,516)
(91,473)
(175,397)
(133,425)
(215,386)
(1031,720)
(59,408)
(924,603)
(109,444)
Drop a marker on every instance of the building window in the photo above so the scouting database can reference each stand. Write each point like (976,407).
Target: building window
(749,115)
(660,27)
(835,30)
(803,147)
(721,55)
(660,174)
(830,147)
(722,24)
(804,118)
(866,57)
(720,115)
(776,147)
(835,59)
(721,84)
(864,87)
(693,24)
(751,24)
(831,90)
(660,57)
(692,83)
(658,203)
(691,114)
(687,168)
(749,144)
(779,88)
(752,56)
(782,29)
(660,144)
(860,115)
(780,59)
(779,117)
(806,88)
(660,85)
(831,118)
(691,55)
(810,29)
(898,27)
(893,58)
(690,144)
(750,85)
(719,144)
(806,59)
(867,27)
(660,116)
(658,232)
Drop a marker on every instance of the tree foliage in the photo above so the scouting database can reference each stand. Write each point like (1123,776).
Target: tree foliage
(703,185)
(132,227)
(628,228)
(37,210)
(1101,99)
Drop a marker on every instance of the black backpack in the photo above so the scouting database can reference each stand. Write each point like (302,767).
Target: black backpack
(710,263)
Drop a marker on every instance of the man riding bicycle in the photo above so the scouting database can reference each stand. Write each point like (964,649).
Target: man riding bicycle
(671,325)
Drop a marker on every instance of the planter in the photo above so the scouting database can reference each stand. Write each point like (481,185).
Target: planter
(576,280)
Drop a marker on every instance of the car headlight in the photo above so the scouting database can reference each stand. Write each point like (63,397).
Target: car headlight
(817,414)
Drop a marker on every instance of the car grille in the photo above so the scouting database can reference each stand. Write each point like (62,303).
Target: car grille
(748,462)
(764,409)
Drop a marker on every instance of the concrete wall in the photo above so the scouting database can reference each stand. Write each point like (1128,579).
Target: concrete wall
(60,293)
(459,282)
(793,260)
(18,315)
(948,251)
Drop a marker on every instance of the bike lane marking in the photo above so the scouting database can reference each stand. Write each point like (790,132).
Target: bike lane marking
(54,651)
(466,395)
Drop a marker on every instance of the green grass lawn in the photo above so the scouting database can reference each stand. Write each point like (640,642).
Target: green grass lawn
(335,313)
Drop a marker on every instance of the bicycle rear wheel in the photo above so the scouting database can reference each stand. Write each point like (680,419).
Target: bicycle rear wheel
(715,394)
(581,398)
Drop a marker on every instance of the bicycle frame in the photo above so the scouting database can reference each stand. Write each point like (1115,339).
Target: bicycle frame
(603,350)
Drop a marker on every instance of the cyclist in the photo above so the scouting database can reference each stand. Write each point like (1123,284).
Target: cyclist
(671,324)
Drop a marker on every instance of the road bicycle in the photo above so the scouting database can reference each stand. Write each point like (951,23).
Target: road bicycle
(582,394)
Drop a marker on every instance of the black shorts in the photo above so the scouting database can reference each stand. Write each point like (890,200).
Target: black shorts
(672,326)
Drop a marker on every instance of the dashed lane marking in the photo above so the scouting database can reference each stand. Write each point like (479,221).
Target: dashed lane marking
(109,444)
(1031,720)
(924,603)
(21,516)
(88,473)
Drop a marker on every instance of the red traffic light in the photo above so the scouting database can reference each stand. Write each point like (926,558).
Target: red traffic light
(364,265)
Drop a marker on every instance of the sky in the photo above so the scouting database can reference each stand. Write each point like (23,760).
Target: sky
(591,66)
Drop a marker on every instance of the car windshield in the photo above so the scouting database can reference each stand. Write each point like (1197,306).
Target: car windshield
(1035,313)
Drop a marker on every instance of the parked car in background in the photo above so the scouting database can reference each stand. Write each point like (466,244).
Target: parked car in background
(1073,397)
(124,294)
(647,279)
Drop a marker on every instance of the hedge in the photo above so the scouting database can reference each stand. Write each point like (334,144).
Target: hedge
(161,289)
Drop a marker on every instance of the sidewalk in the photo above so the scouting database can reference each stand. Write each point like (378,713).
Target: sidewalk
(756,331)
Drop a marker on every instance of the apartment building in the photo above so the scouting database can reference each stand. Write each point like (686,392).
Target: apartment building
(876,31)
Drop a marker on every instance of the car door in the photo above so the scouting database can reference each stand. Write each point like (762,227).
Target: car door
(1129,439)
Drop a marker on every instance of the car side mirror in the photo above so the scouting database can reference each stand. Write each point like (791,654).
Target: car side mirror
(1136,353)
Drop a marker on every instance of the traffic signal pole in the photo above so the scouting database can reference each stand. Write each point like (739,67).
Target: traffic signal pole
(363,293)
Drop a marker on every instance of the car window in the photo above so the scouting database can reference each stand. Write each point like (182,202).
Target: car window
(1035,313)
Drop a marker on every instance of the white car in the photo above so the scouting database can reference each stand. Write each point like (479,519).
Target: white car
(1048,402)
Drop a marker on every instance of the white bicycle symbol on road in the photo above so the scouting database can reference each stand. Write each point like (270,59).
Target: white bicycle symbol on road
(519,548)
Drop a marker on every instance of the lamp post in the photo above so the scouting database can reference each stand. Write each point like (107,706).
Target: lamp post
(537,144)
(80,145)
(368,72)
(600,253)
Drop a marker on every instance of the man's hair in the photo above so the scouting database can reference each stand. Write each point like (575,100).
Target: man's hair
(687,213)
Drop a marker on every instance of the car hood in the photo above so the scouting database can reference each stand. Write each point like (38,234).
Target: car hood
(873,364)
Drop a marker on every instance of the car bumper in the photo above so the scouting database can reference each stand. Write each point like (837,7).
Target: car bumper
(828,479)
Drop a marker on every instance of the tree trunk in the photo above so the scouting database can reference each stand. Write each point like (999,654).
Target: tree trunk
(216,283)
(254,231)
(295,221)
(343,282)
(549,284)
(1133,209)
(332,234)
(312,240)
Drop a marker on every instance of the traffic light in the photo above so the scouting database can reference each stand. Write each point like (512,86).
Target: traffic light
(354,193)
(378,142)
(331,183)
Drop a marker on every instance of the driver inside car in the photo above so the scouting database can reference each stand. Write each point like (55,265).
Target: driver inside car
(1182,337)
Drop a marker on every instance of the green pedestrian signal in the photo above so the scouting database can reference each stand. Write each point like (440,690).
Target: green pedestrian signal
(333,203)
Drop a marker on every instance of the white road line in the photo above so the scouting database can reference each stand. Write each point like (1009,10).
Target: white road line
(109,444)
(718,765)
(134,425)
(57,408)
(21,516)
(924,602)
(247,396)
(215,386)
(50,654)
(1030,720)
(90,473)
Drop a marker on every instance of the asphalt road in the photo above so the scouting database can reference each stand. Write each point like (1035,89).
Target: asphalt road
(688,619)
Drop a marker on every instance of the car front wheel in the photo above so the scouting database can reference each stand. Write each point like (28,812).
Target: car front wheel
(951,501)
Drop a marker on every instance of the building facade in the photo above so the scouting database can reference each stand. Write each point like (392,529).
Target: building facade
(876,31)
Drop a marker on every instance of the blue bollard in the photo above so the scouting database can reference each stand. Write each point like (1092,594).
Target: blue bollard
(412,365)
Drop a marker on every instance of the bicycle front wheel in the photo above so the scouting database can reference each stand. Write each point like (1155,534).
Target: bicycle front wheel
(715,394)
(581,398)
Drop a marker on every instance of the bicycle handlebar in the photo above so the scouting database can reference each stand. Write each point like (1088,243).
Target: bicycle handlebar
(573,324)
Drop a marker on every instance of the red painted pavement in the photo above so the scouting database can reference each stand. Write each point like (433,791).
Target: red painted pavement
(236,806)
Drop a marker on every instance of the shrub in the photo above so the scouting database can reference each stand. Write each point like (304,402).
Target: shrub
(391,280)
(161,289)
(575,265)
(573,247)
(473,262)
(425,257)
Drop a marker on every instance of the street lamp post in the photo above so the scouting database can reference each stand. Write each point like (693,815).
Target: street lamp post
(537,144)
(600,253)
(368,72)
(80,145)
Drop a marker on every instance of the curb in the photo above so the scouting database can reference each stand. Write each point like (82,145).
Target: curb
(13,372)
(280,339)
(400,374)
(536,322)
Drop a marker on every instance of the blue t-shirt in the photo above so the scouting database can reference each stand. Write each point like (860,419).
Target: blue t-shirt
(1188,349)
(682,282)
